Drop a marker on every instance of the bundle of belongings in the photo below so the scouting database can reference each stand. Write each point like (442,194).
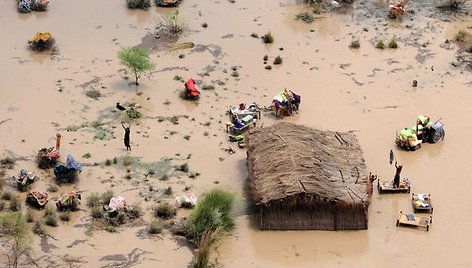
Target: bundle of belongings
(286,102)
(186,201)
(167,3)
(26,6)
(24,179)
(396,10)
(116,203)
(41,41)
(422,200)
(69,200)
(191,90)
(47,157)
(37,199)
(69,170)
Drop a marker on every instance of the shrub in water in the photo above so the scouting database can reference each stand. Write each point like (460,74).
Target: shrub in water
(96,212)
(51,220)
(380,44)
(164,211)
(134,212)
(15,204)
(155,227)
(142,4)
(355,44)
(38,228)
(392,43)
(93,200)
(268,38)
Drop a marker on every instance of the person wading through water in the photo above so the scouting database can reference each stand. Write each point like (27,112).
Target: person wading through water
(396,179)
(126,139)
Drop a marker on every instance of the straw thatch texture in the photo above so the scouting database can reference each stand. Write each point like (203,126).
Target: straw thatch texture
(303,178)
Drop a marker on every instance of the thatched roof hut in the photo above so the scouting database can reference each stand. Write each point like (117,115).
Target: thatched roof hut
(303,178)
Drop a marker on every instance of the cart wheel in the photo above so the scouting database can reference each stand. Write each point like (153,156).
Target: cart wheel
(431,210)
(398,222)
(430,219)
(427,227)
(408,189)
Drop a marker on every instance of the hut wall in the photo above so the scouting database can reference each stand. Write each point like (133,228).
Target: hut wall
(351,217)
(318,217)
(276,217)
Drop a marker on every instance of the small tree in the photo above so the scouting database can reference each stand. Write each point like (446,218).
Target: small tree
(137,60)
(14,227)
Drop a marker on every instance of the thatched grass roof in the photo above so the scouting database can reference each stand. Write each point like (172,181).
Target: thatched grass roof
(287,161)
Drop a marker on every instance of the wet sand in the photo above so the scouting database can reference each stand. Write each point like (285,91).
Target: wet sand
(366,90)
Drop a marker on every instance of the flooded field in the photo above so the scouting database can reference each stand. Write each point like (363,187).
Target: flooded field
(73,90)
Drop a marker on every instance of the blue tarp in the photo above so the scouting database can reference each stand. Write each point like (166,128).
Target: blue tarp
(69,167)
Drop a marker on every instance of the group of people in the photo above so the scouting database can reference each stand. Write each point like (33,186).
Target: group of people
(286,102)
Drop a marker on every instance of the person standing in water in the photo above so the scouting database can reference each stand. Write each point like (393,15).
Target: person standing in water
(396,179)
(126,139)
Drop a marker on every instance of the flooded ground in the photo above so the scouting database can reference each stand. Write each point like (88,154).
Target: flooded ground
(366,90)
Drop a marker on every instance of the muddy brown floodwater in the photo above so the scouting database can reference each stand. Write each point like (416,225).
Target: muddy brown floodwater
(365,90)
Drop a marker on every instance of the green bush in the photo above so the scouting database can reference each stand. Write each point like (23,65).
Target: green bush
(355,44)
(53,188)
(15,204)
(64,216)
(93,200)
(142,4)
(461,36)
(305,17)
(268,38)
(155,227)
(164,211)
(38,228)
(29,216)
(96,213)
(134,212)
(168,191)
(7,195)
(277,60)
(106,197)
(51,220)
(173,24)
(392,43)
(380,44)
(212,213)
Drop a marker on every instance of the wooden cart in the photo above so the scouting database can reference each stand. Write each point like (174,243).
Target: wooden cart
(414,220)
(387,186)
(422,203)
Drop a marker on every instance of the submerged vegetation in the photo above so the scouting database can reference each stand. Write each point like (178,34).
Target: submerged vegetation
(141,4)
(209,221)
